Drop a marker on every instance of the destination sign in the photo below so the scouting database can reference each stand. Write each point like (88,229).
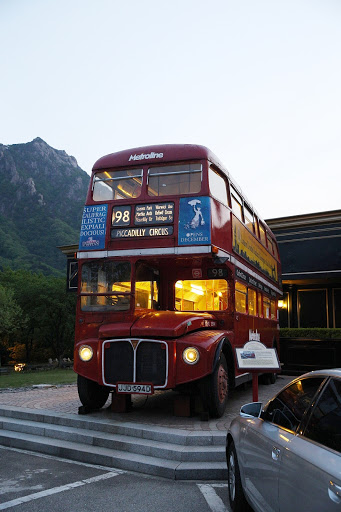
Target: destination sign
(142,232)
(154,213)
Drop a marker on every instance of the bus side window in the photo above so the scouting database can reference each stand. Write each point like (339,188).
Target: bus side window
(217,186)
(240,297)
(260,310)
(237,204)
(262,234)
(266,307)
(275,248)
(252,302)
(249,220)
(270,244)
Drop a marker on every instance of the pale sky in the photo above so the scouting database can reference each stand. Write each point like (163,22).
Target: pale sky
(256,81)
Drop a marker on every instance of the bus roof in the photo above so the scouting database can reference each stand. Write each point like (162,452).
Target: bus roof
(152,154)
(167,153)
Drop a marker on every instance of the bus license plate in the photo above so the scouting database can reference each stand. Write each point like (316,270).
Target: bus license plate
(139,389)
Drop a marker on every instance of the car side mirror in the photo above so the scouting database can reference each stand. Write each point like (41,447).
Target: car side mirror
(252,410)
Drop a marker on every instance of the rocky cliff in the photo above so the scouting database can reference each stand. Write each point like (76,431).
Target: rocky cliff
(42,193)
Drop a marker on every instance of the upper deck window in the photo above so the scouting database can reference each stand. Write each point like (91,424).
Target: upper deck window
(217,186)
(248,215)
(237,204)
(171,180)
(270,244)
(122,184)
(262,234)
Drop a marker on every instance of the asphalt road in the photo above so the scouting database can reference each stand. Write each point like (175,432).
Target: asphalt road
(40,483)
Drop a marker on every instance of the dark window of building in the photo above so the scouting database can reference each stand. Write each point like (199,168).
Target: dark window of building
(337,306)
(312,308)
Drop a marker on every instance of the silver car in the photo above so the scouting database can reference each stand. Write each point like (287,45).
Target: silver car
(286,456)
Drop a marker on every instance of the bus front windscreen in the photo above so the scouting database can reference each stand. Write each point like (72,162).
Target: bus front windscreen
(174,180)
(118,184)
(106,286)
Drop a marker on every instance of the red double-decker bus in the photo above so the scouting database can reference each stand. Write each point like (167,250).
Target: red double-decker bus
(176,270)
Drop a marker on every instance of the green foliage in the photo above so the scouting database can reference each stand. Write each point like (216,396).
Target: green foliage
(313,333)
(26,378)
(47,316)
(11,314)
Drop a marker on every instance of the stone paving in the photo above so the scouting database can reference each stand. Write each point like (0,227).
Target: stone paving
(155,410)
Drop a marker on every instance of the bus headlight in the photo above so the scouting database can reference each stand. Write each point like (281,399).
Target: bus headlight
(85,353)
(190,355)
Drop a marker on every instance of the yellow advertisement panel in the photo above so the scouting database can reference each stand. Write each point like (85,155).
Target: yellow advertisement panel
(246,245)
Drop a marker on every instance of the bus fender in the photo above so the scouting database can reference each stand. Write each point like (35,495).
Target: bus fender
(224,346)
(217,353)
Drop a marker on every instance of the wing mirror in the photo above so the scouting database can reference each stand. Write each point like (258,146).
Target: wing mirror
(252,410)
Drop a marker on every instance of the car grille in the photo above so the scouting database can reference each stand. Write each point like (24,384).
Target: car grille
(147,362)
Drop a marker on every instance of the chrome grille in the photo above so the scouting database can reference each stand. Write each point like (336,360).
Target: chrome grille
(132,360)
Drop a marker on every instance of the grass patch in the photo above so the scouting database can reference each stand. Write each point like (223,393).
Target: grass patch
(26,379)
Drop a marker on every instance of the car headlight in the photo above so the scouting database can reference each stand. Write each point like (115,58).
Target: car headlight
(85,353)
(190,355)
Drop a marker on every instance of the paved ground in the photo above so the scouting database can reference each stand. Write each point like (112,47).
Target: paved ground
(154,410)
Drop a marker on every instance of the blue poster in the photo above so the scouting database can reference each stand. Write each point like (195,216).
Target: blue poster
(195,221)
(93,227)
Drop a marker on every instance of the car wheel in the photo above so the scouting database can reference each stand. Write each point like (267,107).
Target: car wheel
(214,389)
(91,394)
(236,494)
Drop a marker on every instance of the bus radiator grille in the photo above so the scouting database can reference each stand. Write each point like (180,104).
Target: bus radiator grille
(148,363)
(151,363)
(118,362)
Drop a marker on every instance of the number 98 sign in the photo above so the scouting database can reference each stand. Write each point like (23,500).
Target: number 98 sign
(121,216)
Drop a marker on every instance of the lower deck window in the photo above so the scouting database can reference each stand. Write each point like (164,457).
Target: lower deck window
(203,295)
(105,286)
(240,297)
(252,302)
(146,287)
(266,307)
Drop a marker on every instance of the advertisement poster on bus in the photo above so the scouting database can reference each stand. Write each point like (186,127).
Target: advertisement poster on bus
(251,250)
(93,227)
(195,221)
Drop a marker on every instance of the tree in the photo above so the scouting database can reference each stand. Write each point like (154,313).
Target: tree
(49,313)
(12,319)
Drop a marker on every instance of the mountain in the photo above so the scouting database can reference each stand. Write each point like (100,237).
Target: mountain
(42,193)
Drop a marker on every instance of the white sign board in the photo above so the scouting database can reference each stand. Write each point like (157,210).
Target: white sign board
(256,356)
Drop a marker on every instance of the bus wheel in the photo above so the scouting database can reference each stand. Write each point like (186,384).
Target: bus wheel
(91,394)
(214,389)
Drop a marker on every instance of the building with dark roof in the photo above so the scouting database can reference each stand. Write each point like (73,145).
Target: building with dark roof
(310,251)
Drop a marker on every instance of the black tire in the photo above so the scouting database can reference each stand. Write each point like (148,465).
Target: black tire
(91,394)
(236,494)
(269,378)
(214,389)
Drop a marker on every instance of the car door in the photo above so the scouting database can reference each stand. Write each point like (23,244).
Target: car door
(265,440)
(310,473)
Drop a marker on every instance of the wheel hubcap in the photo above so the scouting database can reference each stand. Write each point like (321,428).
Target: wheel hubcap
(232,477)
(222,383)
